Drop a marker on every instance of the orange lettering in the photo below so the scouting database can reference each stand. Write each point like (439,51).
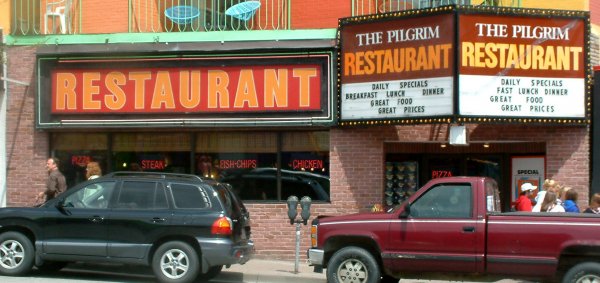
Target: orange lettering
(65,91)
(90,89)
(276,86)
(116,98)
(218,81)
(246,90)
(304,74)
(140,87)
(163,92)
(189,98)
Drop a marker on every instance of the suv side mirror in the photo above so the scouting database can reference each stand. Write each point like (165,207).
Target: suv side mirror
(292,203)
(406,212)
(305,204)
(60,205)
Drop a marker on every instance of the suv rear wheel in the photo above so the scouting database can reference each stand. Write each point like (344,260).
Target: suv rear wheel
(175,261)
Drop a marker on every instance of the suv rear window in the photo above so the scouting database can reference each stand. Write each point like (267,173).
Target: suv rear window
(189,196)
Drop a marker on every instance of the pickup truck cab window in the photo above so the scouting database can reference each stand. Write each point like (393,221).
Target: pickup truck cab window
(444,201)
(492,196)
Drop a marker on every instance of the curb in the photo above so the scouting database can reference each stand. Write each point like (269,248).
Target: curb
(270,271)
(237,277)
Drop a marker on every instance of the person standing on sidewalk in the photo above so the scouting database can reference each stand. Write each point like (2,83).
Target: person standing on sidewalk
(56,182)
(570,202)
(523,203)
(93,170)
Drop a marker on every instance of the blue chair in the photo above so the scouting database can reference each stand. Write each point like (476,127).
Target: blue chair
(244,10)
(182,14)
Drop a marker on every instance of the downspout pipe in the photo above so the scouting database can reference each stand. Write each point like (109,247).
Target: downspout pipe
(3,107)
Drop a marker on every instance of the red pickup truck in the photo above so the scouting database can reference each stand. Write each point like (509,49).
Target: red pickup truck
(454,226)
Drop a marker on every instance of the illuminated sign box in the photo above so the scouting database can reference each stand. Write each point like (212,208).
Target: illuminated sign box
(465,64)
(273,90)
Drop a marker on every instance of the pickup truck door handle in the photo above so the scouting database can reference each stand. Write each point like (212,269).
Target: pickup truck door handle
(469,229)
(157,220)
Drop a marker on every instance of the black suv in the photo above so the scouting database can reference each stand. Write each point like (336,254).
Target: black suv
(185,227)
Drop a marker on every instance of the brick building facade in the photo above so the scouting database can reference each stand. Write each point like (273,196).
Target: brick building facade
(357,155)
(356,160)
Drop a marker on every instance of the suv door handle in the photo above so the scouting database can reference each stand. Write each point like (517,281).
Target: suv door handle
(96,219)
(157,220)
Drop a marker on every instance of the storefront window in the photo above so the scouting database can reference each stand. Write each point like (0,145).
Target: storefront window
(152,152)
(76,150)
(260,166)
(249,162)
(305,165)
(240,159)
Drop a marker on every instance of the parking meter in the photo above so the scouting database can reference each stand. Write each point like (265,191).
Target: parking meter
(292,203)
(305,204)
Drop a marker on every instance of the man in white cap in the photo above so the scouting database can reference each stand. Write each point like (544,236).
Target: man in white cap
(523,203)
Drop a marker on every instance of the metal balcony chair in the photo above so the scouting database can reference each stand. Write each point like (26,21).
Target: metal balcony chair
(182,14)
(57,9)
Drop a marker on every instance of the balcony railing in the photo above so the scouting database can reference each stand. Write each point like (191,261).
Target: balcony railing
(367,7)
(34,17)
(205,15)
(38,17)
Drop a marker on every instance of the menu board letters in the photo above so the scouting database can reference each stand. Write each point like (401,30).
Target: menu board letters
(521,66)
(390,72)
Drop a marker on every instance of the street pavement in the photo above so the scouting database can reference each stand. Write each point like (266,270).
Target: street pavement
(255,271)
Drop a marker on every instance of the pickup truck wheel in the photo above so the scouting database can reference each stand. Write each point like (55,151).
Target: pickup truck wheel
(16,254)
(587,272)
(353,265)
(175,262)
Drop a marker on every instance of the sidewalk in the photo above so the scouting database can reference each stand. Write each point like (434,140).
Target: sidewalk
(277,271)
(267,271)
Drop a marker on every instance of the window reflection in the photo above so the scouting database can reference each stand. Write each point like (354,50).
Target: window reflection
(260,166)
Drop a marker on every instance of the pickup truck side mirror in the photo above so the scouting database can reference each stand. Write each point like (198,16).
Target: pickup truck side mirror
(406,212)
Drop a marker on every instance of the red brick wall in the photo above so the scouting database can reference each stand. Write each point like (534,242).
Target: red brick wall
(107,16)
(357,164)
(595,12)
(26,148)
(312,14)
(356,161)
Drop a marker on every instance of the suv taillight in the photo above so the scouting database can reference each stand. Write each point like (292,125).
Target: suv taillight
(221,226)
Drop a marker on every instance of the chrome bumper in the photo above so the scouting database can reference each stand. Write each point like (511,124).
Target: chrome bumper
(315,256)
